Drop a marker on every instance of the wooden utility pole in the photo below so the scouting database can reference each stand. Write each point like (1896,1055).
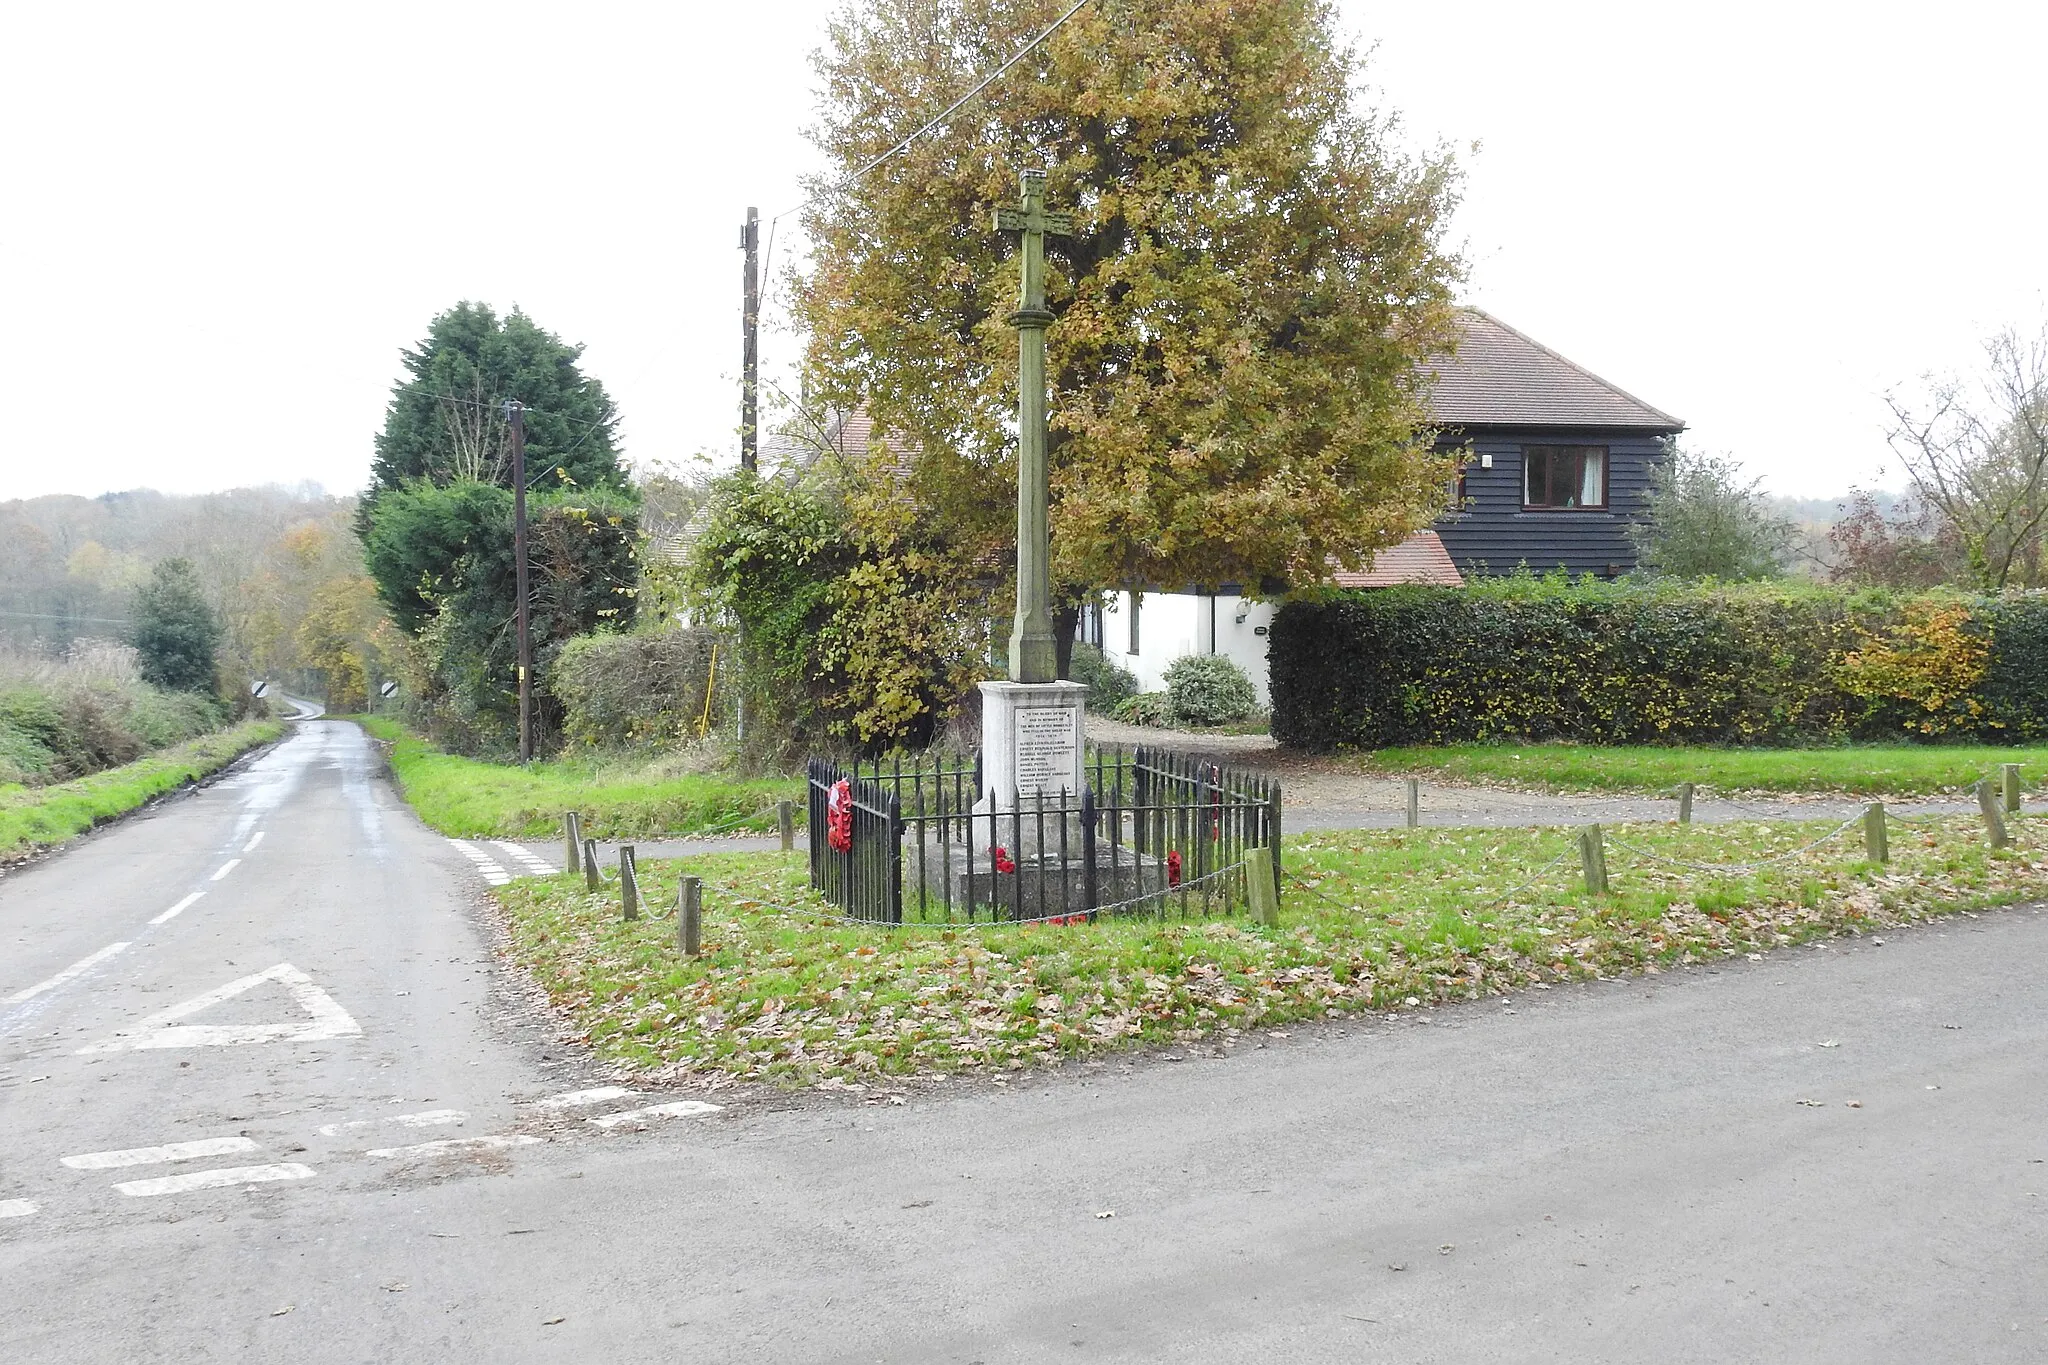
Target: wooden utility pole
(516,412)
(750,340)
(1033,653)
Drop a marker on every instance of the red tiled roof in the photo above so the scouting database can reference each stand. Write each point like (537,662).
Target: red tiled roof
(1419,559)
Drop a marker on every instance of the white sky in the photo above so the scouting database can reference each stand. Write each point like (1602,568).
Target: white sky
(219,224)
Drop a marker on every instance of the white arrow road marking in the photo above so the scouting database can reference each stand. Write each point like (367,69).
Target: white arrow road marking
(170,1151)
(327,1019)
(577,1098)
(229,866)
(76,969)
(16,1208)
(680,1109)
(459,1145)
(180,908)
(431,1118)
(215,1180)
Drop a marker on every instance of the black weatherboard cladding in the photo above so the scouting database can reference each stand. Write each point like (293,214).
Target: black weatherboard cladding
(1494,533)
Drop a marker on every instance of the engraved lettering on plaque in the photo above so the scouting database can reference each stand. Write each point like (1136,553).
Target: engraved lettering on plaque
(1045,750)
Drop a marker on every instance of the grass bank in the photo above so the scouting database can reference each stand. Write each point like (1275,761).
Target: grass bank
(33,817)
(1875,770)
(1373,920)
(468,798)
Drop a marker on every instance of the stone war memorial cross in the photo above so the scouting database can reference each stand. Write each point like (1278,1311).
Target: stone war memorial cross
(1031,725)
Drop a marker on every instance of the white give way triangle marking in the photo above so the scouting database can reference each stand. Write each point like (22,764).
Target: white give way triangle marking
(324,1020)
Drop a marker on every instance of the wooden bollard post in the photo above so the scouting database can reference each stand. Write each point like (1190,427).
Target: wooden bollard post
(785,823)
(1685,803)
(1414,802)
(629,883)
(1994,820)
(1593,857)
(690,916)
(593,875)
(572,842)
(1876,841)
(2009,774)
(1259,887)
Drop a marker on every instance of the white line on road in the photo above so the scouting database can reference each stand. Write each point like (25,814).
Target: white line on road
(229,866)
(325,1019)
(250,847)
(527,858)
(180,908)
(170,1151)
(16,1208)
(431,1118)
(677,1110)
(577,1098)
(494,874)
(76,969)
(459,1145)
(216,1180)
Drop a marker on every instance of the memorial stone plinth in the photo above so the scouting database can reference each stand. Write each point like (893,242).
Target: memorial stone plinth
(1032,742)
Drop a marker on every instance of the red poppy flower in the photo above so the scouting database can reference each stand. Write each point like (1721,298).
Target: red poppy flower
(1004,863)
(839,817)
(1173,867)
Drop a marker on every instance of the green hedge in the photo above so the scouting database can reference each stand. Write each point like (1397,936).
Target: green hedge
(1649,663)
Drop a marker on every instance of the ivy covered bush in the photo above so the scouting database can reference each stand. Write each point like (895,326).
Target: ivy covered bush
(658,686)
(1649,663)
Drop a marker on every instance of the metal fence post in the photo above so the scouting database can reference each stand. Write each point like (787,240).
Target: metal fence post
(572,841)
(1593,857)
(2009,773)
(690,916)
(593,876)
(1685,803)
(785,823)
(1994,821)
(1091,895)
(1414,802)
(629,883)
(1876,844)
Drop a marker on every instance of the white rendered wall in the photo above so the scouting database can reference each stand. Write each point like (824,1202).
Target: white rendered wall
(1172,625)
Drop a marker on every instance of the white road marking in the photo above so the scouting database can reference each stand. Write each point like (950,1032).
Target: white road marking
(327,1019)
(250,847)
(459,1145)
(76,969)
(170,1151)
(180,908)
(431,1118)
(16,1208)
(576,1098)
(229,866)
(216,1180)
(494,874)
(527,858)
(677,1110)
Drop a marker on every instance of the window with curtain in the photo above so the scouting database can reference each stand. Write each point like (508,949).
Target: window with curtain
(1564,476)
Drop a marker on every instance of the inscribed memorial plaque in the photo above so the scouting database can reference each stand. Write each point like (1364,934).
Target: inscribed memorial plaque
(1046,750)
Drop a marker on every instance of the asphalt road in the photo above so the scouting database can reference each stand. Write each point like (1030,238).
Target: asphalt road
(1835,1153)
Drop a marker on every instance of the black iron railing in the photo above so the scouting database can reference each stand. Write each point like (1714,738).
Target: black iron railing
(1152,833)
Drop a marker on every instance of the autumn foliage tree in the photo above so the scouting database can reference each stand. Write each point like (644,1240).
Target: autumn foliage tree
(1256,275)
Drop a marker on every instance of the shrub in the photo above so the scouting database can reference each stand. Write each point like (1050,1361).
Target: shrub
(1208,689)
(1650,663)
(1107,683)
(652,687)
(1145,708)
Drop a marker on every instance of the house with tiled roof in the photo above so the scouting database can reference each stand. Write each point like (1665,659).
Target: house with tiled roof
(1558,466)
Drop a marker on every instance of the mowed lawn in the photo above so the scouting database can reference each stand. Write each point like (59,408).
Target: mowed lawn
(468,798)
(1874,770)
(1372,920)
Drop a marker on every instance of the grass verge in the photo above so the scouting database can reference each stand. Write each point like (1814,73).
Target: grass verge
(35,817)
(1373,920)
(1876,770)
(468,798)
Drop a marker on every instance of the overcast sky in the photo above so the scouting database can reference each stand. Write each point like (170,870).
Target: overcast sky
(221,223)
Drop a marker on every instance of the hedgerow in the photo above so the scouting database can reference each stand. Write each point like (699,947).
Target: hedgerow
(1648,663)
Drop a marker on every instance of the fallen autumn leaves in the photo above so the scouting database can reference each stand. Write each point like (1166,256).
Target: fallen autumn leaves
(1373,920)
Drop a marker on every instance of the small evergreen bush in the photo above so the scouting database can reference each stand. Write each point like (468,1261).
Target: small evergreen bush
(1107,683)
(1208,689)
